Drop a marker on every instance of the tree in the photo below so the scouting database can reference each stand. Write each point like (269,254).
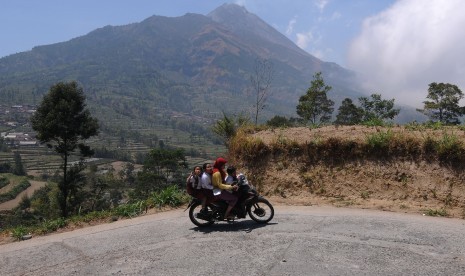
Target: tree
(348,113)
(279,121)
(19,168)
(3,146)
(63,122)
(315,106)
(5,167)
(377,109)
(162,167)
(127,173)
(260,80)
(444,103)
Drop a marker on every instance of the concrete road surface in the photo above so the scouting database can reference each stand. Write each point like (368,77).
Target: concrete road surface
(298,241)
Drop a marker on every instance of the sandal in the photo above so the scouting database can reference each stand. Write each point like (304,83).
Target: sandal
(230,217)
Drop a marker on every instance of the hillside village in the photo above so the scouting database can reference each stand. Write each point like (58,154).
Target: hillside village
(13,118)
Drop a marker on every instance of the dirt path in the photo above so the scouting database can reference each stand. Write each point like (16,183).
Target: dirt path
(35,185)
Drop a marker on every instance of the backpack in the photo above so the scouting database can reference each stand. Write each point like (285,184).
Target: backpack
(189,188)
(192,185)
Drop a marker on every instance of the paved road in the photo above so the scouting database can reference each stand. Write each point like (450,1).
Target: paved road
(298,241)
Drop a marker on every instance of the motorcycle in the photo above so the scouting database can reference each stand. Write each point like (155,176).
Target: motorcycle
(249,202)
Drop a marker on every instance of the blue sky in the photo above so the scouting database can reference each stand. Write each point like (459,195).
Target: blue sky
(399,46)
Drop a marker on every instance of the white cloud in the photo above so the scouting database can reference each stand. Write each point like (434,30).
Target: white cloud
(304,39)
(290,26)
(410,45)
(240,2)
(310,42)
(317,53)
(321,4)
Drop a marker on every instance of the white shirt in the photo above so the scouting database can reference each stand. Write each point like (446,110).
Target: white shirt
(206,181)
(229,179)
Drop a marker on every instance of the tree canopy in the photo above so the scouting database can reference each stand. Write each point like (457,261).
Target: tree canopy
(377,109)
(443,103)
(162,168)
(314,106)
(348,113)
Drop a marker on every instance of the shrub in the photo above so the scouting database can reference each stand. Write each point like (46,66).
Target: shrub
(378,143)
(434,125)
(130,209)
(19,232)
(25,202)
(429,146)
(4,181)
(335,149)
(436,213)
(450,149)
(91,216)
(405,146)
(365,194)
(52,225)
(374,122)
(414,126)
(171,196)
(44,201)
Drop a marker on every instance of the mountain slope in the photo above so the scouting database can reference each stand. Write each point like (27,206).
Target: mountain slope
(190,64)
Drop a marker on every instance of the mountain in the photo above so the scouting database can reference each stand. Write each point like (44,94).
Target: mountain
(166,67)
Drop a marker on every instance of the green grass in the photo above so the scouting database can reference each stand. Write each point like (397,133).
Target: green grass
(131,209)
(379,142)
(19,232)
(436,213)
(171,196)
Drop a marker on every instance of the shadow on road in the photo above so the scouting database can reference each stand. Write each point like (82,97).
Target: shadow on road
(246,226)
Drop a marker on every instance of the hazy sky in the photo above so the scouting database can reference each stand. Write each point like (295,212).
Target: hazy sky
(400,46)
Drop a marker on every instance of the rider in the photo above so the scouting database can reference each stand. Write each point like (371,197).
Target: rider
(232,175)
(221,189)
(233,180)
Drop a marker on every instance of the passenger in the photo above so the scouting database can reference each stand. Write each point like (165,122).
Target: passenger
(193,181)
(221,189)
(207,187)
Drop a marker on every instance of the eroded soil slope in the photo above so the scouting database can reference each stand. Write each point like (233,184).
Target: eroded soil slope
(415,185)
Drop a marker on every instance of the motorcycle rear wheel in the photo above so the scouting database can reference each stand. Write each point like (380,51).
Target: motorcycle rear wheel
(261,211)
(194,215)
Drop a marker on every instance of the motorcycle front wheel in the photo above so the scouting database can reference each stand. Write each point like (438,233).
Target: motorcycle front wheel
(199,219)
(261,211)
